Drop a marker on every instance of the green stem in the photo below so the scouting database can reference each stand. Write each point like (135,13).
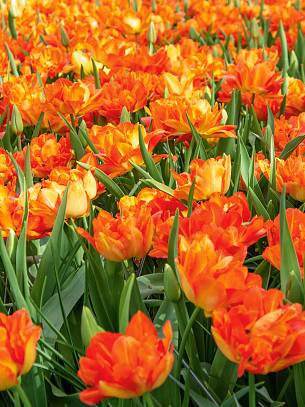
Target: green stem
(23,397)
(252,395)
(148,400)
(185,336)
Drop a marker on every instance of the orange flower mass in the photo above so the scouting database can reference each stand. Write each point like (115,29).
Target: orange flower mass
(18,341)
(259,333)
(126,365)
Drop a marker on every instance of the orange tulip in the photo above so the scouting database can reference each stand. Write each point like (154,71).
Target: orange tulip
(231,215)
(127,235)
(286,130)
(170,115)
(18,341)
(82,188)
(123,90)
(295,102)
(209,276)
(7,170)
(259,333)
(296,226)
(290,172)
(47,153)
(259,85)
(212,175)
(126,365)
(119,144)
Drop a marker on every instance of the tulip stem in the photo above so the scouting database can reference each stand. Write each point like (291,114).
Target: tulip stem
(184,339)
(23,397)
(252,391)
(148,401)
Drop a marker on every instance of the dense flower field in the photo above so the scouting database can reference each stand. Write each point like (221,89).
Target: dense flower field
(152,199)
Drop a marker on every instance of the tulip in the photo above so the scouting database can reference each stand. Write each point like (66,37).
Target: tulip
(210,277)
(127,235)
(212,175)
(259,333)
(18,342)
(126,365)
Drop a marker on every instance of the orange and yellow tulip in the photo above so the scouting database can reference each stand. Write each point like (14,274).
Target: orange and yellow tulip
(126,365)
(259,333)
(127,235)
(18,342)
(212,175)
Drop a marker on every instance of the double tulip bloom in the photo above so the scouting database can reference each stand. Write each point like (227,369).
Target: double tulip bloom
(126,365)
(210,176)
(259,333)
(127,235)
(18,341)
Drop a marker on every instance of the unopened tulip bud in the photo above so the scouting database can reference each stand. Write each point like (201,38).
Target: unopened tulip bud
(152,35)
(11,243)
(89,326)
(16,121)
(171,285)
(64,37)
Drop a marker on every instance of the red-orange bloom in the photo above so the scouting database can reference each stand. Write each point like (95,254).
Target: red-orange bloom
(18,341)
(210,176)
(127,235)
(259,85)
(296,226)
(259,333)
(231,216)
(126,365)
(123,90)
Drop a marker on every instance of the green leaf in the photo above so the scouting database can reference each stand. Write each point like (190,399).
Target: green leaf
(124,308)
(258,205)
(158,185)
(11,276)
(75,140)
(290,270)
(291,146)
(223,375)
(71,292)
(112,187)
(173,244)
(38,125)
(149,162)
(12,61)
(45,282)
(299,380)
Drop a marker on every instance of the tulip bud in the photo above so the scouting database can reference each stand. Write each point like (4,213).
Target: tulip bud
(254,29)
(153,6)
(171,285)
(64,36)
(11,243)
(89,326)
(294,292)
(16,121)
(294,64)
(125,116)
(193,34)
(151,34)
